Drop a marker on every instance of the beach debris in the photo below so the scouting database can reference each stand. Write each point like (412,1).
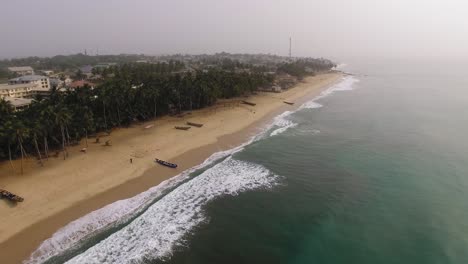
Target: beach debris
(108,143)
(249,103)
(182,127)
(83,150)
(149,126)
(165,163)
(98,139)
(194,124)
(10,196)
(289,103)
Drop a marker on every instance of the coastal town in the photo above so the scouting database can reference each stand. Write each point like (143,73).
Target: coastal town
(23,84)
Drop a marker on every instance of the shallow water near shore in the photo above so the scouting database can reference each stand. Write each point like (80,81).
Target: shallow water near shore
(372,171)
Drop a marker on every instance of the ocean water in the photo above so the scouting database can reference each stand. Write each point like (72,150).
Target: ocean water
(374,170)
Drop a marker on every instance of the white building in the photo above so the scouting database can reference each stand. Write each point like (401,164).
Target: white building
(25,87)
(26,70)
(40,81)
(17,90)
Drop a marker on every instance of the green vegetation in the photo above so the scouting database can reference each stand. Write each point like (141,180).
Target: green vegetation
(303,67)
(133,92)
(64,62)
(132,95)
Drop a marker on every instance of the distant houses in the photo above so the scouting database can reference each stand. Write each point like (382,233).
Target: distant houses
(81,84)
(25,70)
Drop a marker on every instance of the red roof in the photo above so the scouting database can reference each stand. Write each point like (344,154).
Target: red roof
(82,83)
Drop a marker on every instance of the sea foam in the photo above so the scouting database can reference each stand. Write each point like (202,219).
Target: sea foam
(162,226)
(281,123)
(73,234)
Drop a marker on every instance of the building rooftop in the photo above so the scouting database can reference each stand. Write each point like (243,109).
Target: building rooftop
(5,86)
(29,78)
(82,83)
(18,102)
(86,69)
(19,69)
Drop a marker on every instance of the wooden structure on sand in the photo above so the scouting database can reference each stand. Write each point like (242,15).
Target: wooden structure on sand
(249,103)
(10,196)
(182,127)
(194,124)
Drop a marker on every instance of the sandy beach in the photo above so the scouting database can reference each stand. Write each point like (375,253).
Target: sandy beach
(64,190)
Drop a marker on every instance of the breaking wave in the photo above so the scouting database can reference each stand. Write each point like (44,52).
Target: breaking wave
(281,123)
(162,226)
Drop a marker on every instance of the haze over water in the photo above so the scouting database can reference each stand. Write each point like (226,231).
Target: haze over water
(376,175)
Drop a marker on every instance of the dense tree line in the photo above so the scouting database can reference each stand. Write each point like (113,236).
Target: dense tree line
(303,67)
(135,71)
(66,62)
(135,93)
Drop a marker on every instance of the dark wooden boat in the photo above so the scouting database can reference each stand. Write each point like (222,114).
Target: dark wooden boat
(10,196)
(194,124)
(165,163)
(249,103)
(289,103)
(182,127)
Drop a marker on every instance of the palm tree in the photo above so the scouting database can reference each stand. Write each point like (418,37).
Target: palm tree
(21,133)
(62,119)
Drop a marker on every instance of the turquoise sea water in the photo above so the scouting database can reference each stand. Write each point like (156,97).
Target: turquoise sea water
(377,174)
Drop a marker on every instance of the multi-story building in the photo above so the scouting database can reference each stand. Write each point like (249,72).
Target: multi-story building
(26,70)
(18,90)
(25,87)
(40,81)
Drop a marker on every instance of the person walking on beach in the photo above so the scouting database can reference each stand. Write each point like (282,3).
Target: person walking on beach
(131,160)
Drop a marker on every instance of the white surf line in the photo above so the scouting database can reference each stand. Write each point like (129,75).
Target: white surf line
(155,233)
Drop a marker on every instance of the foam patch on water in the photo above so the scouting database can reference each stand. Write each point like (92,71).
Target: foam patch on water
(163,225)
(311,105)
(346,84)
(282,123)
(339,66)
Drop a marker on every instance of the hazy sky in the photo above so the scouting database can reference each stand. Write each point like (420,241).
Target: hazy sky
(328,28)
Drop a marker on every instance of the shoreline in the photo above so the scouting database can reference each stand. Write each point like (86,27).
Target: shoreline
(19,245)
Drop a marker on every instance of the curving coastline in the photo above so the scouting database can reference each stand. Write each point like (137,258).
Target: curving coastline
(113,177)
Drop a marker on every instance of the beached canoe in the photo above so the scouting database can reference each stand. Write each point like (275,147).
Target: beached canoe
(289,103)
(194,124)
(249,103)
(182,127)
(10,196)
(165,163)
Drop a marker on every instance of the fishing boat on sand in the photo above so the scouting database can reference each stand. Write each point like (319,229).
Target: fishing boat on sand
(289,103)
(182,127)
(194,124)
(10,196)
(165,163)
(249,103)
